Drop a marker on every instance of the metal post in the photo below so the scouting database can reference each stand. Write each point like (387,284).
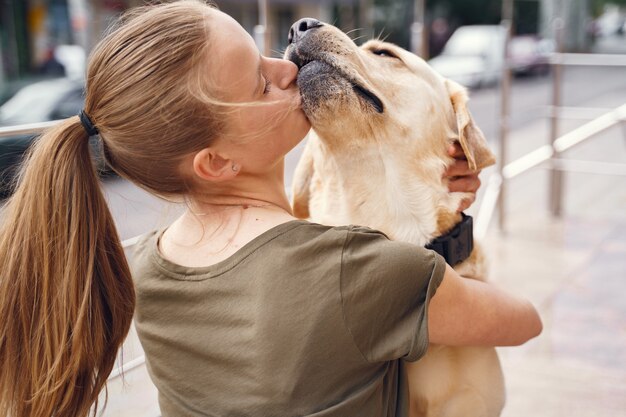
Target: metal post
(79,16)
(365,19)
(556,175)
(261,32)
(505,94)
(419,30)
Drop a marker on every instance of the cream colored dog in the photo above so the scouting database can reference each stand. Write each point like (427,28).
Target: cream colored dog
(382,121)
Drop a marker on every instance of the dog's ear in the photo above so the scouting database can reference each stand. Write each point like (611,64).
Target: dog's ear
(302,182)
(471,137)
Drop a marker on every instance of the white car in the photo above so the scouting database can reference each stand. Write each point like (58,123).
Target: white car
(473,56)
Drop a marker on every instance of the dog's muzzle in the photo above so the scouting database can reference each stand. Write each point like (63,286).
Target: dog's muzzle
(304,49)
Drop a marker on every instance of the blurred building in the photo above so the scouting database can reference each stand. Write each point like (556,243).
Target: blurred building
(31,30)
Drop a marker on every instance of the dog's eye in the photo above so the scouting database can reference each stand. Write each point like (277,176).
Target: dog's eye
(383,52)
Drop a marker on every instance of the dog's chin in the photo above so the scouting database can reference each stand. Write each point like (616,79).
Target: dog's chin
(323,90)
(327,93)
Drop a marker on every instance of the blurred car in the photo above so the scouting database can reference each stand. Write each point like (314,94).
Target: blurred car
(42,101)
(530,55)
(73,59)
(473,56)
(611,22)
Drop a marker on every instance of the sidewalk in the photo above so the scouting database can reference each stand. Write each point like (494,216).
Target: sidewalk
(574,271)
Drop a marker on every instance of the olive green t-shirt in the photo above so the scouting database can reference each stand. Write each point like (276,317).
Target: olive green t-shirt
(304,320)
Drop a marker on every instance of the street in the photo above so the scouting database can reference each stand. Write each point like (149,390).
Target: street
(136,212)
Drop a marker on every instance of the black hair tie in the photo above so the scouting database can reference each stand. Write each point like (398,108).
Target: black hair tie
(87,123)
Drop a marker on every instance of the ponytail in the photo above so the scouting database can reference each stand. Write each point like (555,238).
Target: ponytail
(66,294)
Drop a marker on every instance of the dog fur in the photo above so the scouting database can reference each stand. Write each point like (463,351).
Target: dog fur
(382,122)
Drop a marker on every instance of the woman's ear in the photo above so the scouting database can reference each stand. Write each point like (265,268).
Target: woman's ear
(211,166)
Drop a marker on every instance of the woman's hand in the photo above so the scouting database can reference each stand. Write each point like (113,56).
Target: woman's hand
(460,178)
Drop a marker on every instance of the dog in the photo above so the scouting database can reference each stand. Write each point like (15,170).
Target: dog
(382,121)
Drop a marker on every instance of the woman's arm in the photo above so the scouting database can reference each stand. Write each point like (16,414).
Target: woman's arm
(466,312)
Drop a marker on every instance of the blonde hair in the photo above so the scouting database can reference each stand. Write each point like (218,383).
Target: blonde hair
(66,293)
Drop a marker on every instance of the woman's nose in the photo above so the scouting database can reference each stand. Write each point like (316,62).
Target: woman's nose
(299,29)
(285,72)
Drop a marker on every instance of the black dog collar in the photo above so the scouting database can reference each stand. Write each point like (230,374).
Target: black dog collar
(456,245)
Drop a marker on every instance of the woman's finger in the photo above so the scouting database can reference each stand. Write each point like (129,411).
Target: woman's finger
(460,177)
(459,168)
(456,151)
(468,184)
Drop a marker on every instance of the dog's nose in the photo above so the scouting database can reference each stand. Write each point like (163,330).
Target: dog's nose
(299,28)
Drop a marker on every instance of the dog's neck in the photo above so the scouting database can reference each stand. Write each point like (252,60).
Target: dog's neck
(374,190)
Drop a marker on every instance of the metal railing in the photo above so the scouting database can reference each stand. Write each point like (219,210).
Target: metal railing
(125,367)
(495,193)
(548,153)
(28,129)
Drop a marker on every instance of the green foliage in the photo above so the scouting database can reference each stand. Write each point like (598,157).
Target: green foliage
(469,12)
(526,17)
(597,6)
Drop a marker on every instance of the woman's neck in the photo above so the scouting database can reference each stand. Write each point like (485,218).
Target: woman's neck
(246,190)
(223,203)
(199,239)
(221,220)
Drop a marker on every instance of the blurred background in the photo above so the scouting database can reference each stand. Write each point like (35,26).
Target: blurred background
(547,83)
(42,39)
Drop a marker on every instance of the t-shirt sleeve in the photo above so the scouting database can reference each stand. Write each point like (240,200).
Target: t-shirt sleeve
(385,290)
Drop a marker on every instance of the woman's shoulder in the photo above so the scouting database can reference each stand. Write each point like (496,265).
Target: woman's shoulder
(295,239)
(145,241)
(337,235)
(300,240)
(139,251)
(345,230)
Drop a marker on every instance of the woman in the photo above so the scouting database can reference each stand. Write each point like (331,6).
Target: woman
(241,309)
